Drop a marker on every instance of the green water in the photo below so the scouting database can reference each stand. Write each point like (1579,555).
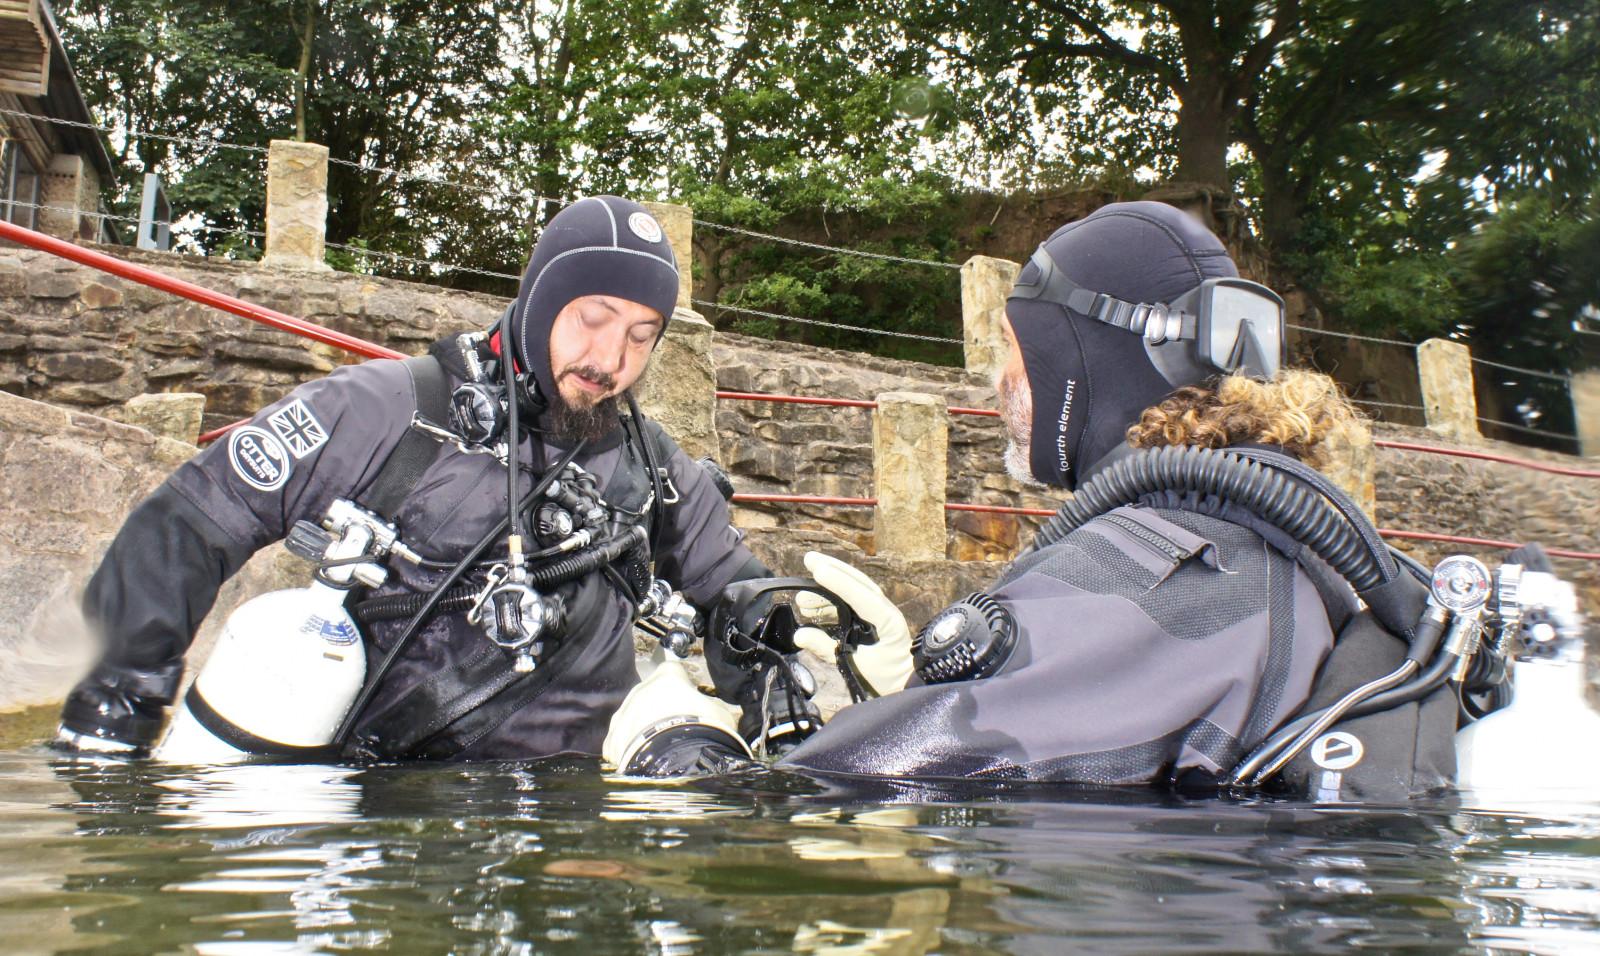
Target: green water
(114,857)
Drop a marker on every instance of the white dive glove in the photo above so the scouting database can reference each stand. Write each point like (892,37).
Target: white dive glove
(885,666)
(665,721)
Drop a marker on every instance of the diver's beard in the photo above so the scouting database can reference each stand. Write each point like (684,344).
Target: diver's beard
(1016,410)
(570,424)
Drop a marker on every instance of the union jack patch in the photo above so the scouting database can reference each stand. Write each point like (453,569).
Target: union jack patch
(298,428)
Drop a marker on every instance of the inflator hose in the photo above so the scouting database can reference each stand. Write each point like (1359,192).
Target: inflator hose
(1300,512)
(545,576)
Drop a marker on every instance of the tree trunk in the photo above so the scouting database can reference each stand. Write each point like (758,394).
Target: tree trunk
(1205,130)
(308,32)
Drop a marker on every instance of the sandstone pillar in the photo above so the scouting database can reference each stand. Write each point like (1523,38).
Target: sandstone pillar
(1585,388)
(297,205)
(1445,370)
(678,223)
(679,388)
(910,437)
(1352,463)
(70,189)
(985,283)
(174,415)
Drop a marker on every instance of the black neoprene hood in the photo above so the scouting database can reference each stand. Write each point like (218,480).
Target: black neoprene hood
(1089,380)
(601,245)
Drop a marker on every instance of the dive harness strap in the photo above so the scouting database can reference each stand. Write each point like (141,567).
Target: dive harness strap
(416,450)
(238,738)
(432,718)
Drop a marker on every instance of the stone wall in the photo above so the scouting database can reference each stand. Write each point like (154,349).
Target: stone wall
(67,480)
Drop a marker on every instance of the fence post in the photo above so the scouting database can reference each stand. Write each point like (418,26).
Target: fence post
(910,438)
(679,389)
(297,205)
(678,223)
(985,283)
(1445,371)
(1585,389)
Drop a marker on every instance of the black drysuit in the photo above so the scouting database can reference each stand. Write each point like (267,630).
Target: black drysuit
(329,439)
(1152,643)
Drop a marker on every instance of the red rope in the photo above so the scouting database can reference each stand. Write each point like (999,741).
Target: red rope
(1489,456)
(806,500)
(1002,510)
(837,402)
(1484,543)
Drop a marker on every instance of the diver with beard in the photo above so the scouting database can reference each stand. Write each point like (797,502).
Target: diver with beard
(1159,636)
(498,632)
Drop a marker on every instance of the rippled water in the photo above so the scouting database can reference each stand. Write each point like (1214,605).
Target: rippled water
(134,858)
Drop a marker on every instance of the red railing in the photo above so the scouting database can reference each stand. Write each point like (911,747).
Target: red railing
(837,402)
(1488,456)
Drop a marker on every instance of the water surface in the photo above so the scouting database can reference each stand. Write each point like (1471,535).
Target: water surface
(117,857)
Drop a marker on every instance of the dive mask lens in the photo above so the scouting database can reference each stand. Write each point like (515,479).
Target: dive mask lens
(1238,325)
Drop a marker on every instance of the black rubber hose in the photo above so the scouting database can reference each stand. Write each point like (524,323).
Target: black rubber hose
(438,595)
(545,576)
(1301,512)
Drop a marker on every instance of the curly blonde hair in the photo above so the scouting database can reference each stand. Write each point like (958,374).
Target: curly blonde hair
(1297,409)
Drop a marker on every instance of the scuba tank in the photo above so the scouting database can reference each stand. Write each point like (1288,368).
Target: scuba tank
(1546,743)
(288,664)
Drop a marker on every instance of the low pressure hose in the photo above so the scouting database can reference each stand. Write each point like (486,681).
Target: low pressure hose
(544,577)
(1299,511)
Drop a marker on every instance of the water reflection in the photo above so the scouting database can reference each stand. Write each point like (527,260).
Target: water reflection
(556,858)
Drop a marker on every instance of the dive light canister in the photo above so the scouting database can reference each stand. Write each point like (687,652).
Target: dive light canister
(1545,745)
(284,671)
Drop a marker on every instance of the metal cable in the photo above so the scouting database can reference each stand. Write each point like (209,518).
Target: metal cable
(136,133)
(1349,335)
(396,257)
(826,325)
(825,248)
(1368,401)
(1523,371)
(1527,428)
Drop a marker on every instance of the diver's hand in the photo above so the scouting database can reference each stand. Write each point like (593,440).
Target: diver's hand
(665,724)
(884,666)
(118,709)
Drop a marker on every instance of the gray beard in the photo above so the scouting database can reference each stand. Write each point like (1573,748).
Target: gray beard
(1018,417)
(1017,466)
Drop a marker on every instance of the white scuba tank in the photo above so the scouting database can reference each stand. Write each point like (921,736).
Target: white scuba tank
(1544,745)
(284,672)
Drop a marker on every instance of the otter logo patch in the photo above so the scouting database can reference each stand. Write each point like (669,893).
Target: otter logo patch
(258,457)
(645,226)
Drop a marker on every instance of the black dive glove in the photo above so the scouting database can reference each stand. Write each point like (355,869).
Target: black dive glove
(119,708)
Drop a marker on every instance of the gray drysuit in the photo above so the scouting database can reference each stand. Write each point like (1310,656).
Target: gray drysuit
(329,439)
(1151,643)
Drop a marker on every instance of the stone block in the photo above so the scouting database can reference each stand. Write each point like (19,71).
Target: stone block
(678,390)
(1352,462)
(985,283)
(910,440)
(53,285)
(297,206)
(677,222)
(1445,371)
(174,415)
(98,295)
(79,366)
(1585,387)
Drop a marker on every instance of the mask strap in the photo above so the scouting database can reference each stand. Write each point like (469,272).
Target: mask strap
(1156,322)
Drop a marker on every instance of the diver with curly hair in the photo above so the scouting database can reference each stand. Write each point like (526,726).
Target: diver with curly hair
(1160,636)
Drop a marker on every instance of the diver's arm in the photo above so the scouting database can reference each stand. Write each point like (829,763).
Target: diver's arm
(164,568)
